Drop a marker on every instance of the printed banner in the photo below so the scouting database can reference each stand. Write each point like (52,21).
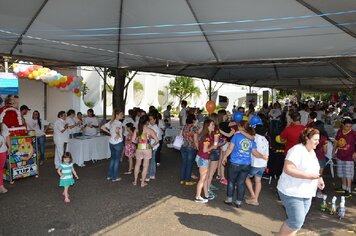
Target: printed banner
(22,161)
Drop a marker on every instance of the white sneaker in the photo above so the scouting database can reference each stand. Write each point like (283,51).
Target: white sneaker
(320,195)
(201,200)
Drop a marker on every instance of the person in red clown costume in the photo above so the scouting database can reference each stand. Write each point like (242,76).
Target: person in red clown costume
(11,117)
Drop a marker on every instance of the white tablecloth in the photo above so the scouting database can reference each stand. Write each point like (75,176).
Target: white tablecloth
(88,149)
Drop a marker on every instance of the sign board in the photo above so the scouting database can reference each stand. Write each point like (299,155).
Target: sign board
(22,161)
(251,98)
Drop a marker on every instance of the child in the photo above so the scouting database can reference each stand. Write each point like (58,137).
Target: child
(130,146)
(66,172)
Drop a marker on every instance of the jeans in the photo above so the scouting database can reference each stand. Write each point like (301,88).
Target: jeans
(152,165)
(187,157)
(237,176)
(116,150)
(296,209)
(41,146)
(158,153)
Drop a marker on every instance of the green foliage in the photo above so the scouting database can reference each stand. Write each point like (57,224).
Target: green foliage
(138,86)
(281,94)
(161,93)
(112,72)
(183,87)
(317,95)
(159,109)
(89,104)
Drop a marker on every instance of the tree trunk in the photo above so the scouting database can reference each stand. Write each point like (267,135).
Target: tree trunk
(118,93)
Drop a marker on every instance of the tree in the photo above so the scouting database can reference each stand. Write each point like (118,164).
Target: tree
(161,93)
(183,87)
(137,86)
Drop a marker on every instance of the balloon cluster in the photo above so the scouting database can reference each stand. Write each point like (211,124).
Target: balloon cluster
(50,77)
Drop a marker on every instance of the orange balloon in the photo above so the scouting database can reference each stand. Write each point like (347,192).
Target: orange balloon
(210,106)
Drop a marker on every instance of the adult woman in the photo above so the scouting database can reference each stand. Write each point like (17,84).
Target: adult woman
(114,128)
(5,148)
(206,145)
(299,181)
(153,124)
(227,132)
(79,121)
(90,123)
(240,149)
(40,127)
(71,123)
(60,137)
(143,134)
(188,150)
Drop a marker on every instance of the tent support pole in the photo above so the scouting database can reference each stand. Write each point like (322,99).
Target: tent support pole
(104,93)
(313,9)
(202,31)
(18,41)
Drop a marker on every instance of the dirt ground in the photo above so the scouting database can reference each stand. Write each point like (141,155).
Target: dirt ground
(34,206)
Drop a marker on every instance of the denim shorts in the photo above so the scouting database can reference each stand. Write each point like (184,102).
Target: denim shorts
(296,209)
(256,171)
(214,155)
(201,162)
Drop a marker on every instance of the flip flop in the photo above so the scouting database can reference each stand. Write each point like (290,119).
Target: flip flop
(144,185)
(134,183)
(251,202)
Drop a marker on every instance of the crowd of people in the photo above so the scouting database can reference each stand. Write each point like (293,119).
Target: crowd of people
(245,142)
(234,148)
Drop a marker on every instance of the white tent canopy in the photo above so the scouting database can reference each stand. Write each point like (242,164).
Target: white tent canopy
(295,44)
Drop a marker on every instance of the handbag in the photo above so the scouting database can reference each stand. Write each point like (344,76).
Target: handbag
(178,142)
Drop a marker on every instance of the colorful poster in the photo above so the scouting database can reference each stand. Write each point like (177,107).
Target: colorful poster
(22,161)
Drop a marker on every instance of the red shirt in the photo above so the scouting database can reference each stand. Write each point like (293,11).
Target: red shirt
(207,139)
(345,145)
(291,135)
(319,150)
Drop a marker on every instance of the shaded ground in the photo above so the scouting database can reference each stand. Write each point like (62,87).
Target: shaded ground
(35,207)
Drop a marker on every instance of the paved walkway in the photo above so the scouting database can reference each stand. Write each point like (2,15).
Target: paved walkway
(35,207)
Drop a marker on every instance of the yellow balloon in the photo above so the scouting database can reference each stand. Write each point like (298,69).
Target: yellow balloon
(245,118)
(35,73)
(30,76)
(79,94)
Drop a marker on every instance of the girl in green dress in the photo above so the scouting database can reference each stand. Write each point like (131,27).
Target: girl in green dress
(66,172)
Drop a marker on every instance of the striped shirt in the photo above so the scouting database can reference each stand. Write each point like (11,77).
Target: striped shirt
(66,170)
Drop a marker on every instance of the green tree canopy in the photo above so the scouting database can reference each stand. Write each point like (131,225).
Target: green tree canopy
(138,86)
(183,87)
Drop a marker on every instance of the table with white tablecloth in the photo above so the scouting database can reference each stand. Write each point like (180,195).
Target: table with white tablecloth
(87,148)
